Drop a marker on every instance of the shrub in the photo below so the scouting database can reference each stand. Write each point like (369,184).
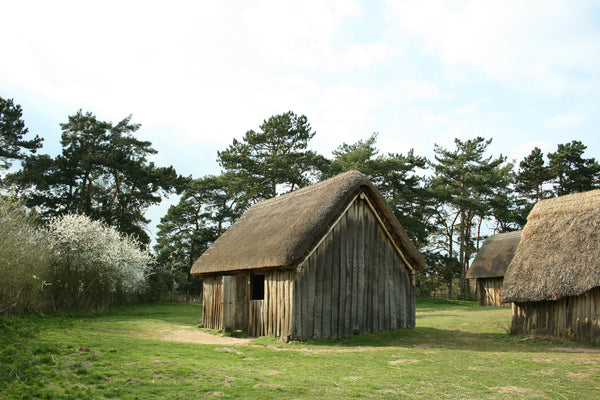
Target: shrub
(24,257)
(92,264)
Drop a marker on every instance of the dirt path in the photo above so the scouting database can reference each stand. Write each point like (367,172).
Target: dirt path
(198,336)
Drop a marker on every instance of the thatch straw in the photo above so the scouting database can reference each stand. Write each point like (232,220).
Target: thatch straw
(494,256)
(282,231)
(559,252)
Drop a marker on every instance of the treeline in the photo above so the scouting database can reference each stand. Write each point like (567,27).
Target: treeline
(446,204)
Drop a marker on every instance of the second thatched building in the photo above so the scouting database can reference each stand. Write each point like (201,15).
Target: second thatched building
(489,266)
(554,277)
(325,261)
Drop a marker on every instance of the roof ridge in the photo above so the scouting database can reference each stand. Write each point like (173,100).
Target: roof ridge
(307,189)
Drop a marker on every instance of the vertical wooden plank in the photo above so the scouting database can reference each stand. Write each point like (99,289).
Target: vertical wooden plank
(273,304)
(212,303)
(384,299)
(370,269)
(280,304)
(588,315)
(286,320)
(343,278)
(251,326)
(361,266)
(383,296)
(335,281)
(286,312)
(264,318)
(276,311)
(403,293)
(292,305)
(220,321)
(311,294)
(272,308)
(376,291)
(215,304)
(281,307)
(297,332)
(318,311)
(397,292)
(349,261)
(393,288)
(227,306)
(353,220)
(326,247)
(205,289)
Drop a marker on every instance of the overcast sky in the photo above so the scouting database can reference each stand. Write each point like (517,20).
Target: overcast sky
(196,74)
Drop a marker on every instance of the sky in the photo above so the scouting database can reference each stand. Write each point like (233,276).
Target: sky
(197,74)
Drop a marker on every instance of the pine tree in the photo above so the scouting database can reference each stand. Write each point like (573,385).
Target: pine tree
(13,146)
(276,156)
(468,186)
(572,172)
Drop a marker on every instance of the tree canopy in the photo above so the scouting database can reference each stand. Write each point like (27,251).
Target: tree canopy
(103,172)
(13,145)
(275,156)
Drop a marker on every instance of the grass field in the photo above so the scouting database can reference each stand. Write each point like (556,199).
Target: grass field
(457,351)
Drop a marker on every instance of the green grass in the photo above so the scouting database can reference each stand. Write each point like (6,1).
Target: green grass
(457,351)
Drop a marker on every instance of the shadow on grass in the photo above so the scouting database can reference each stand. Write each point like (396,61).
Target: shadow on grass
(434,338)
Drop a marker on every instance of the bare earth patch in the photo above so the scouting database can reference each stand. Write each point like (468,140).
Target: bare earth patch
(514,390)
(200,337)
(575,350)
(403,361)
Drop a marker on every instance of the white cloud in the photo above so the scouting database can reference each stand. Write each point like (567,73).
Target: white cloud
(564,120)
(544,46)
(196,74)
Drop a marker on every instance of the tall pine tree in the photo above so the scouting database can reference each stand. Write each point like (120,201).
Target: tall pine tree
(469,186)
(13,145)
(274,158)
(573,173)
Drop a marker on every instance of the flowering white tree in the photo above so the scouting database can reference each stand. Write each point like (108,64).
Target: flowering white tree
(93,264)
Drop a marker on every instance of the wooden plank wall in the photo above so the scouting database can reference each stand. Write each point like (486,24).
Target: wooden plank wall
(576,317)
(273,315)
(242,298)
(490,291)
(354,282)
(212,302)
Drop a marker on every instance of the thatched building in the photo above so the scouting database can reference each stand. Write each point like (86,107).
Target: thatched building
(489,266)
(554,277)
(327,260)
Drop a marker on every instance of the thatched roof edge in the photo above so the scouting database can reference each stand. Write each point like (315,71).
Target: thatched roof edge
(494,256)
(282,231)
(559,253)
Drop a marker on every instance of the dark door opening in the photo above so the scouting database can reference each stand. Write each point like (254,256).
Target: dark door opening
(258,287)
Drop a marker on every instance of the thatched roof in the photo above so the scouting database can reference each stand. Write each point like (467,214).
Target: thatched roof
(492,259)
(559,252)
(282,231)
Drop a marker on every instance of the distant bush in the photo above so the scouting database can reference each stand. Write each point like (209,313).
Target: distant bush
(92,264)
(24,259)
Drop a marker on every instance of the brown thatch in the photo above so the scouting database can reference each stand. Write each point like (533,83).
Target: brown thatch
(494,256)
(559,252)
(282,231)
